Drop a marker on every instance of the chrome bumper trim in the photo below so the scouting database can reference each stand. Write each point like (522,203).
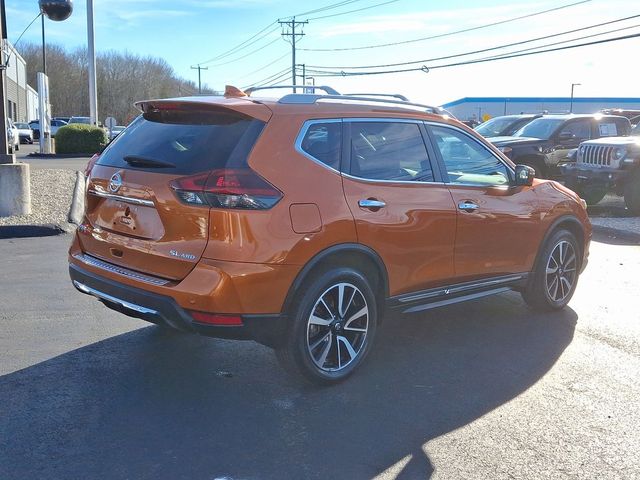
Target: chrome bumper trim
(103,296)
(125,272)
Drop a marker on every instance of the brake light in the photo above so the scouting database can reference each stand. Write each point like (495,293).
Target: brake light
(227,188)
(217,319)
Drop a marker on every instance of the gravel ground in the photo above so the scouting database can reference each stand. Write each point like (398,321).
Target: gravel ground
(51,194)
(611,213)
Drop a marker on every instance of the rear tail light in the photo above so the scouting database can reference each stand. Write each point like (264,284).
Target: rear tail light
(227,188)
(217,319)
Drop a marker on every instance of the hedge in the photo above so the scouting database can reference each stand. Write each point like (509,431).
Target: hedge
(81,138)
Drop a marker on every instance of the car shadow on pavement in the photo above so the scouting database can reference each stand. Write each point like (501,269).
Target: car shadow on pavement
(152,404)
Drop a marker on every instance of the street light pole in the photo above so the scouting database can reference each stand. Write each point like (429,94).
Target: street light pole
(93,84)
(4,142)
(571,104)
(44,48)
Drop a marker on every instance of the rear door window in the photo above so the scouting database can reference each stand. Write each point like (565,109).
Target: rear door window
(184,142)
(391,151)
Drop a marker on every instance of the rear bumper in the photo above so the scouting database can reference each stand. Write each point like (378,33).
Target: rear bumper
(267,329)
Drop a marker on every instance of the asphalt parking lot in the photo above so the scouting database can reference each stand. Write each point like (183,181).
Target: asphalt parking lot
(481,390)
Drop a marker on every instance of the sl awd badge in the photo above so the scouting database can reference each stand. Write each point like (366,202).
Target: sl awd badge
(184,256)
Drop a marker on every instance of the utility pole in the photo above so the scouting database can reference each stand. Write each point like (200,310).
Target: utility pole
(199,68)
(292,24)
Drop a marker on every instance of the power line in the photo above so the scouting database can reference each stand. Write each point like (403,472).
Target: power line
(327,7)
(456,32)
(241,45)
(246,54)
(269,78)
(488,49)
(354,11)
(426,69)
(271,63)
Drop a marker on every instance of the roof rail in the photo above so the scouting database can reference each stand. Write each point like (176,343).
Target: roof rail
(313,98)
(328,90)
(392,95)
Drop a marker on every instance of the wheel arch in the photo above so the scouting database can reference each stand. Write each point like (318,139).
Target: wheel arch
(570,223)
(357,256)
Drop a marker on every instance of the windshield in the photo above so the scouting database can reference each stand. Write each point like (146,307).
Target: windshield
(636,130)
(22,126)
(495,126)
(541,128)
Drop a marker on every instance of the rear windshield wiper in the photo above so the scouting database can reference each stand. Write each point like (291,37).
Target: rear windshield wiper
(139,161)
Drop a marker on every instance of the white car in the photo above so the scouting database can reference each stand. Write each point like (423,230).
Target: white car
(13,137)
(25,132)
(55,125)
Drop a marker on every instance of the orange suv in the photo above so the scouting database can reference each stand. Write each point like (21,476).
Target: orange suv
(299,222)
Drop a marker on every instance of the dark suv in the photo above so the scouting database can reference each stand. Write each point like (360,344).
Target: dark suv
(546,141)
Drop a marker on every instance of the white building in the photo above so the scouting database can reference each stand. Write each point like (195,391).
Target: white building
(22,100)
(479,108)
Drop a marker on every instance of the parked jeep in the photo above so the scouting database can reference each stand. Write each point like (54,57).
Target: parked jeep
(607,165)
(545,142)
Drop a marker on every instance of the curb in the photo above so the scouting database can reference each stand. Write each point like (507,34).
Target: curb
(29,231)
(76,212)
(58,155)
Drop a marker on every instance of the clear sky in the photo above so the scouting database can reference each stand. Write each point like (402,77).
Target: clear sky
(188,32)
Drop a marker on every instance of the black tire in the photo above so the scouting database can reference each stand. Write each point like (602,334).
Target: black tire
(552,290)
(298,354)
(17,147)
(592,195)
(632,193)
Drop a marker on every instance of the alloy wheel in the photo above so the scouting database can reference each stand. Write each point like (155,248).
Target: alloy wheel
(561,271)
(337,327)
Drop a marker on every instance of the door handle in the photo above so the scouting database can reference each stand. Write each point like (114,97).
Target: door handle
(371,203)
(468,206)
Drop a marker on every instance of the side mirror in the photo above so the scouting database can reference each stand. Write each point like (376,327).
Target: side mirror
(524,175)
(566,136)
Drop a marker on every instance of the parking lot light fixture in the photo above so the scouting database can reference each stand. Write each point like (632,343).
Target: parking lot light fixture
(573,85)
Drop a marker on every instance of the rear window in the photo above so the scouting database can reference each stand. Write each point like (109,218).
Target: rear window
(189,141)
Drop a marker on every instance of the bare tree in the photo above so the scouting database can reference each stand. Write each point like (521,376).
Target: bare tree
(123,78)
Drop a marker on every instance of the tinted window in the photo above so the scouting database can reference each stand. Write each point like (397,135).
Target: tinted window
(389,151)
(193,141)
(467,160)
(322,141)
(580,129)
(501,126)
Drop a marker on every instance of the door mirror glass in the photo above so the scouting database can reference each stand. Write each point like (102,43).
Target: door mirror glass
(524,175)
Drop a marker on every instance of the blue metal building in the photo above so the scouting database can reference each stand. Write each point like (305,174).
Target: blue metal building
(477,108)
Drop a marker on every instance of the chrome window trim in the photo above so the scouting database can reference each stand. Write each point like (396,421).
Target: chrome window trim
(453,127)
(407,182)
(121,198)
(303,132)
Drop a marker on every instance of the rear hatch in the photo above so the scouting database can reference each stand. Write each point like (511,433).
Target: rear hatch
(134,216)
